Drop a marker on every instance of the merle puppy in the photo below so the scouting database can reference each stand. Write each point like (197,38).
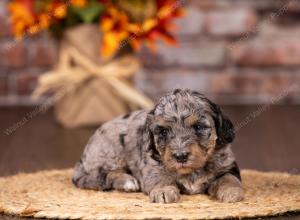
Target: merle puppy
(182,145)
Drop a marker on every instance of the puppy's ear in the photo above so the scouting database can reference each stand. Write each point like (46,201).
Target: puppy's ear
(224,127)
(148,139)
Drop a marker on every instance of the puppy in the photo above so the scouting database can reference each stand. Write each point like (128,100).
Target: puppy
(181,146)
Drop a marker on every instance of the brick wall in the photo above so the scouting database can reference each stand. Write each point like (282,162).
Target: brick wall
(21,62)
(235,51)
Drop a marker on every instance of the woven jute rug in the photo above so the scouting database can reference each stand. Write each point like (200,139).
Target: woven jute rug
(50,194)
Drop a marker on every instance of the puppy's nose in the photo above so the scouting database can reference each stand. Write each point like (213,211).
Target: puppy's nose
(181,157)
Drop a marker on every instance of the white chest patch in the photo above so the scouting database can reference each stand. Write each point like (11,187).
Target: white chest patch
(195,184)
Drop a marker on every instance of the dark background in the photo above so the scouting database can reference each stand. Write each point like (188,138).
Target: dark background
(269,142)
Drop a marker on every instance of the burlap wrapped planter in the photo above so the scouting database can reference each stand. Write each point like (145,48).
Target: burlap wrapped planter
(88,90)
(50,194)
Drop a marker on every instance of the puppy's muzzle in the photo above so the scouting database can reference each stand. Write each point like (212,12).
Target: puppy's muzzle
(181,157)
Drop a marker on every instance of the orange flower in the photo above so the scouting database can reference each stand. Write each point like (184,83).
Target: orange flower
(79,3)
(117,23)
(114,25)
(59,11)
(21,18)
(117,27)
(25,20)
(44,20)
(161,26)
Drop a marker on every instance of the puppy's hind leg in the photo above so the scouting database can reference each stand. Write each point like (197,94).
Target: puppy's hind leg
(101,179)
(95,179)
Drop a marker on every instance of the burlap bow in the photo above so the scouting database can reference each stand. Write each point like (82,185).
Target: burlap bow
(113,72)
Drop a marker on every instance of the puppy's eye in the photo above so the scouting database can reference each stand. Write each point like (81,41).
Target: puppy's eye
(162,132)
(201,128)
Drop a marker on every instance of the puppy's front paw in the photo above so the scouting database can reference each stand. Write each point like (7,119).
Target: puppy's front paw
(166,194)
(230,194)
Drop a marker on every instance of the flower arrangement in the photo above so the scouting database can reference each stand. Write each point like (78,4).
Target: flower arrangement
(120,21)
(82,82)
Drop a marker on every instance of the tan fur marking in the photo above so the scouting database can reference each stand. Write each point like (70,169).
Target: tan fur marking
(163,122)
(191,120)
(198,155)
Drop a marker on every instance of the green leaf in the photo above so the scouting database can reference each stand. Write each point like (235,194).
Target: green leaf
(89,13)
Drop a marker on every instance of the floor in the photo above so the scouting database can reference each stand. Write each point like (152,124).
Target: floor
(267,139)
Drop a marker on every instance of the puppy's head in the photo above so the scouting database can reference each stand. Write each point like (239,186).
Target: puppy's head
(185,129)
